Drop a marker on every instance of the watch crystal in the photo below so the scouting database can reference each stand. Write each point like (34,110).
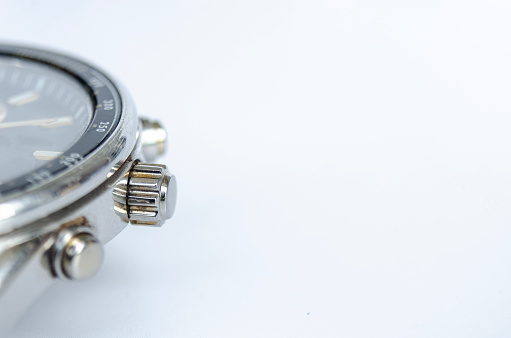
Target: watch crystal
(43,112)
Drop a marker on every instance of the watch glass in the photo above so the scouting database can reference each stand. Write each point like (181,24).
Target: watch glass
(43,112)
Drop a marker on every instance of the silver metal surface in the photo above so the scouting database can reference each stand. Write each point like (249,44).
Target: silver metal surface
(35,212)
(31,220)
(76,254)
(147,196)
(154,139)
(24,275)
(32,207)
(55,229)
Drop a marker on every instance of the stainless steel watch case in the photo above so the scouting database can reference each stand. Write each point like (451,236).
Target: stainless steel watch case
(77,199)
(34,210)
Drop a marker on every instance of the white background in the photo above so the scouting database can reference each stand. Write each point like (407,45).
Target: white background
(344,168)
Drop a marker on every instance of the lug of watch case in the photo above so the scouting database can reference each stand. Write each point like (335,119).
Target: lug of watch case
(24,275)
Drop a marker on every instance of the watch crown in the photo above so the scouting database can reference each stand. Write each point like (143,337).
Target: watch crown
(147,195)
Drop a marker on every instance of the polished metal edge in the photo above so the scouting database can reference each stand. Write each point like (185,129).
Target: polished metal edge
(36,211)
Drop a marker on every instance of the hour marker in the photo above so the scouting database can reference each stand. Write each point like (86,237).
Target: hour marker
(46,155)
(79,112)
(28,79)
(68,98)
(23,98)
(40,83)
(59,93)
(46,123)
(59,122)
(14,77)
(50,88)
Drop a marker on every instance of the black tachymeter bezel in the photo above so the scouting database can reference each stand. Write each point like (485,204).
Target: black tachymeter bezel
(107,108)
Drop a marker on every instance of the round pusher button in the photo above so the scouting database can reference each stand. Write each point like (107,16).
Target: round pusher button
(154,139)
(76,254)
(82,257)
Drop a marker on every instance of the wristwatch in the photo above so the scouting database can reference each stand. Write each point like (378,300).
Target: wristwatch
(75,168)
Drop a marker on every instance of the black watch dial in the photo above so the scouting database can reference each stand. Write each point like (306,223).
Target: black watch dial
(43,112)
(55,111)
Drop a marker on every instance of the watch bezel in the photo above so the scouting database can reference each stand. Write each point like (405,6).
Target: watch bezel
(35,197)
(100,90)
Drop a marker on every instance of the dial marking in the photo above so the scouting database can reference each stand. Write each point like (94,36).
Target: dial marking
(59,122)
(79,112)
(14,77)
(28,96)
(28,79)
(23,98)
(46,123)
(51,105)
(46,155)
(68,98)
(40,83)
(59,93)
(50,87)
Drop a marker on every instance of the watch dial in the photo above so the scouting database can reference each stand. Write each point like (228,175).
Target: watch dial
(43,112)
